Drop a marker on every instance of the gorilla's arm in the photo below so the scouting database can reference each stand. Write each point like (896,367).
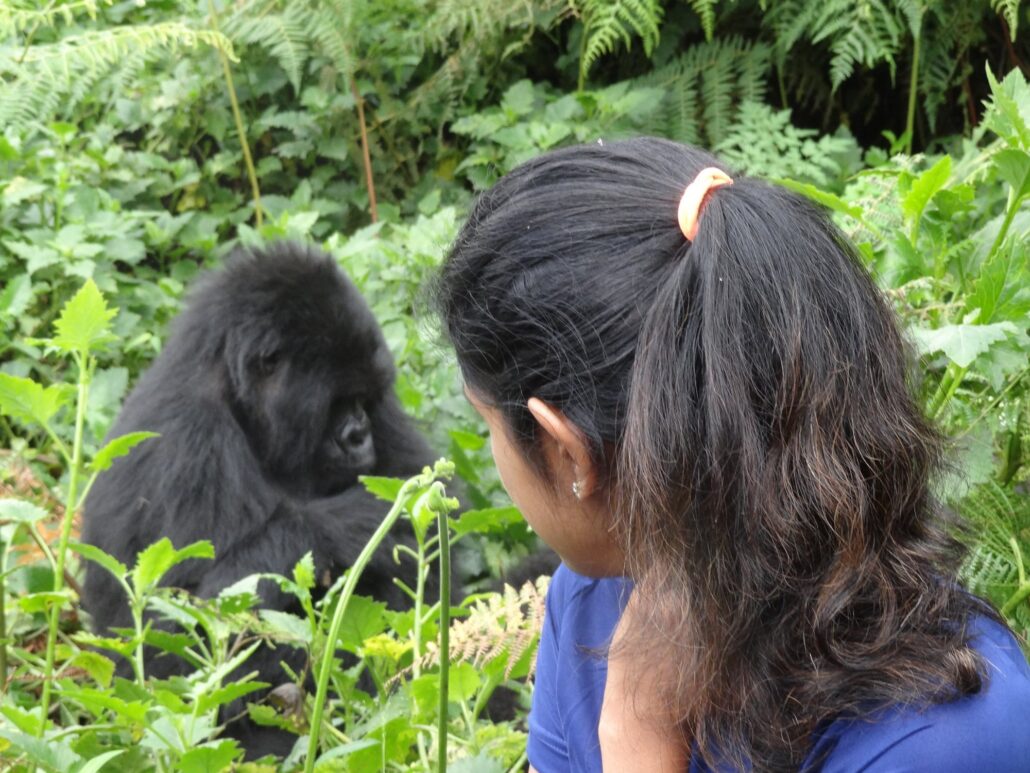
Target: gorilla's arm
(335,529)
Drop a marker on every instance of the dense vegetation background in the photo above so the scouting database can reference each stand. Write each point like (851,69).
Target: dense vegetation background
(140,141)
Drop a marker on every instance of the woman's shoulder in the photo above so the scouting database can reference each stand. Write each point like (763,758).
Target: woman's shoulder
(586,609)
(983,731)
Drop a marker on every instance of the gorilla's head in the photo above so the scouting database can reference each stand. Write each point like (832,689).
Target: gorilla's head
(302,363)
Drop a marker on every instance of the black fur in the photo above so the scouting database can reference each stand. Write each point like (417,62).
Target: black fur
(265,395)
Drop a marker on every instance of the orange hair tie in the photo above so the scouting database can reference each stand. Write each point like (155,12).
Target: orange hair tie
(708,179)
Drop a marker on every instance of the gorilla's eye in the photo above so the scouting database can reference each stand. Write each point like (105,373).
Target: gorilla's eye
(267,362)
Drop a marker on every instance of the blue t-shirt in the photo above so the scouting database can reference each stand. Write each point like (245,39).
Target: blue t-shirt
(989,731)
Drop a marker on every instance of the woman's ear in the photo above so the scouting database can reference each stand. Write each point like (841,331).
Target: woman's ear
(571,460)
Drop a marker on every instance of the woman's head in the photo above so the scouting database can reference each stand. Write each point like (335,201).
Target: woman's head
(744,402)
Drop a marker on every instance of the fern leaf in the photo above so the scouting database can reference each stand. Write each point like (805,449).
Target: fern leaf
(706,10)
(705,87)
(606,23)
(58,75)
(284,35)
(1009,9)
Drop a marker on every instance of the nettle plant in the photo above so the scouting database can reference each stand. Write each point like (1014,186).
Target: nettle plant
(382,689)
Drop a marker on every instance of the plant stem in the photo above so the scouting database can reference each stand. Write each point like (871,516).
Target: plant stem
(445,636)
(238,118)
(949,383)
(1010,214)
(83,361)
(366,156)
(326,666)
(913,87)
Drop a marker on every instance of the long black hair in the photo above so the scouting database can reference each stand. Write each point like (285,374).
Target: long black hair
(747,398)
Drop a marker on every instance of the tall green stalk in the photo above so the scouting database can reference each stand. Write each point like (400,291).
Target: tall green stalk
(84,362)
(913,87)
(353,574)
(445,637)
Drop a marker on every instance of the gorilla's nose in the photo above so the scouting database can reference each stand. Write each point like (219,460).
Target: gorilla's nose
(355,440)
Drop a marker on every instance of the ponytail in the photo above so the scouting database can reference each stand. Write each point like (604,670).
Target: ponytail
(746,393)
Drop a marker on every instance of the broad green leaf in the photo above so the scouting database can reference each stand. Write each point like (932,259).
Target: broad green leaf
(98,556)
(345,750)
(118,447)
(923,189)
(28,402)
(962,344)
(463,681)
(100,668)
(21,511)
(95,764)
(26,720)
(285,625)
(1008,114)
(1013,167)
(44,600)
(52,754)
(157,559)
(1002,289)
(210,759)
(16,296)
(99,701)
(227,693)
(384,488)
(490,519)
(364,619)
(304,572)
(84,324)
(828,200)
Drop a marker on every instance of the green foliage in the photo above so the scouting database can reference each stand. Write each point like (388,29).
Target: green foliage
(705,87)
(764,142)
(607,23)
(858,32)
(62,73)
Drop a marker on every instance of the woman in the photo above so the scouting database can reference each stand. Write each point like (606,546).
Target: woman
(691,383)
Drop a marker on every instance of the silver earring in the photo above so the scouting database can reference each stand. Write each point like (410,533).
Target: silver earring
(577,489)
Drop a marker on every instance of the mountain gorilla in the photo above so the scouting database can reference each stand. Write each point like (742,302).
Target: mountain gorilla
(273,394)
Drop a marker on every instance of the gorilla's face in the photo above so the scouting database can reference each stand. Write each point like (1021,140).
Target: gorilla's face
(308,370)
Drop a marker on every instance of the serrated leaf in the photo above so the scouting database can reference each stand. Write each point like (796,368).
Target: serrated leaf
(15,297)
(285,625)
(924,187)
(118,447)
(95,764)
(52,754)
(100,668)
(156,560)
(98,556)
(84,323)
(1013,167)
(384,488)
(962,344)
(227,693)
(21,511)
(487,520)
(364,619)
(28,402)
(819,196)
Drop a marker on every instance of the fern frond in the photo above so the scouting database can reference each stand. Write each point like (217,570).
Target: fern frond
(706,10)
(858,32)
(59,74)
(606,23)
(1000,544)
(705,87)
(284,35)
(1009,9)
(14,19)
